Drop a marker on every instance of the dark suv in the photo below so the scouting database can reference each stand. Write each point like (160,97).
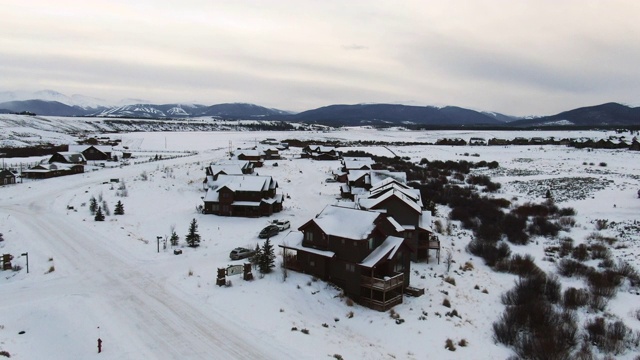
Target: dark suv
(269,231)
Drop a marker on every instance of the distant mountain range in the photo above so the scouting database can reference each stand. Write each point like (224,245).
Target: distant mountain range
(52,103)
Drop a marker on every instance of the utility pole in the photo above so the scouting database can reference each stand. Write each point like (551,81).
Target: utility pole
(26,254)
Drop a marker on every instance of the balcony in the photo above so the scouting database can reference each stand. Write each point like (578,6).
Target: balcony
(386,284)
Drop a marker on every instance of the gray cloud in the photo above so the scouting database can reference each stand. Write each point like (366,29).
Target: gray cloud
(526,57)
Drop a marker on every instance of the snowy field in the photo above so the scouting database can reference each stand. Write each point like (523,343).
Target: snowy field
(91,279)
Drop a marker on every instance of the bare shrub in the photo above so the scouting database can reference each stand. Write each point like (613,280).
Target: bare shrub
(566,246)
(604,283)
(542,226)
(514,227)
(449,345)
(450,280)
(566,222)
(602,224)
(570,268)
(463,343)
(610,337)
(580,252)
(519,265)
(531,288)
(51,269)
(446,303)
(488,251)
(349,302)
(5,354)
(567,212)
(350,314)
(598,303)
(574,298)
(599,251)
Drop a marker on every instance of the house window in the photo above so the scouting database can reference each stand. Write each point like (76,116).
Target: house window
(351,267)
(312,263)
(215,207)
(308,236)
(370,241)
(399,265)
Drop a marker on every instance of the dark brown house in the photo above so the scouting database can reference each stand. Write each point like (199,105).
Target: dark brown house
(45,171)
(7,177)
(320,152)
(404,205)
(68,157)
(357,251)
(96,154)
(242,195)
(256,157)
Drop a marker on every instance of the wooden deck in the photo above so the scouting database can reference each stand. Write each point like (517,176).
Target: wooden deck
(382,284)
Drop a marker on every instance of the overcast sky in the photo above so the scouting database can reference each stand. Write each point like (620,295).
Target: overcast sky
(533,57)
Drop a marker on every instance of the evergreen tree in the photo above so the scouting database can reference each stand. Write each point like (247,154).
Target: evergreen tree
(99,215)
(93,205)
(266,262)
(174,238)
(193,238)
(119,208)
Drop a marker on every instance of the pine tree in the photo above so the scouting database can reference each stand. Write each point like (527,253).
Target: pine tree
(99,215)
(266,262)
(119,208)
(174,238)
(93,205)
(193,238)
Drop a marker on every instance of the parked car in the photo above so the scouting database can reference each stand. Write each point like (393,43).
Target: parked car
(241,253)
(269,231)
(281,224)
(330,180)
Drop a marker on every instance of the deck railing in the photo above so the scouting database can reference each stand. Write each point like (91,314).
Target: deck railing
(382,284)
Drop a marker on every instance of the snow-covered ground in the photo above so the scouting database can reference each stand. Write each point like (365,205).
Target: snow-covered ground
(109,280)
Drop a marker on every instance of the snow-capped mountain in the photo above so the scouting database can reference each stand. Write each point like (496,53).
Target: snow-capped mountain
(82,101)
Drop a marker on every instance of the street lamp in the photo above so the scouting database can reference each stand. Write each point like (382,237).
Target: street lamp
(26,254)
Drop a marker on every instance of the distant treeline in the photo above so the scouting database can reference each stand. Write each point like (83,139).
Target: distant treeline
(39,150)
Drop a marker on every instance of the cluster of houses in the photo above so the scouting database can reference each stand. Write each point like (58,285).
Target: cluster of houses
(68,162)
(365,245)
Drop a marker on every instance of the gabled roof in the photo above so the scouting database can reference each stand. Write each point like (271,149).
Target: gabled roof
(380,175)
(226,169)
(413,194)
(80,148)
(389,181)
(244,164)
(354,175)
(386,250)
(244,183)
(345,222)
(251,153)
(72,157)
(371,203)
(358,162)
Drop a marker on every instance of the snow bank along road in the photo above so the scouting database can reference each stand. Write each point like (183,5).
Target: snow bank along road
(157,320)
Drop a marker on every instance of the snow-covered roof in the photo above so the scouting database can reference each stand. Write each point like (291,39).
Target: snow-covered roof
(396,225)
(425,221)
(414,194)
(389,181)
(369,203)
(295,238)
(358,162)
(244,183)
(80,148)
(386,250)
(251,153)
(233,162)
(357,174)
(380,175)
(73,157)
(230,169)
(345,222)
